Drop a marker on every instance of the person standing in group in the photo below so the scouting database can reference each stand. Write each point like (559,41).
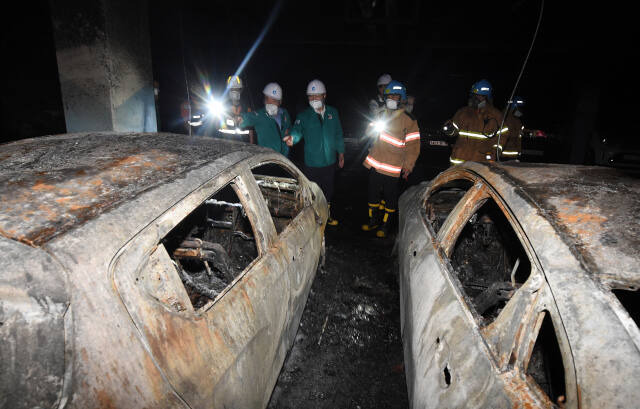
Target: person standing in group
(511,143)
(272,122)
(393,154)
(376,105)
(475,127)
(320,127)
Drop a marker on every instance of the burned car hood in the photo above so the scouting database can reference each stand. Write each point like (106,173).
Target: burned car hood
(590,208)
(33,304)
(52,184)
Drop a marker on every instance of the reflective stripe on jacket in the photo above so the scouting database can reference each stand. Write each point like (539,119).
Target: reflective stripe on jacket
(477,133)
(397,147)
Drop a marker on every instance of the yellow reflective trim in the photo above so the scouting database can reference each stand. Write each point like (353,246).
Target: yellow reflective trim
(374,204)
(456,161)
(473,135)
(503,130)
(390,210)
(386,217)
(510,153)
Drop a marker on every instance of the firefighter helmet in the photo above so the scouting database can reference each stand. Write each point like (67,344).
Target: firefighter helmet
(482,87)
(396,88)
(516,102)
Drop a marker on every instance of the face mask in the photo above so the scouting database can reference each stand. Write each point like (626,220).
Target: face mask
(408,108)
(234,95)
(316,104)
(517,113)
(392,104)
(272,109)
(475,102)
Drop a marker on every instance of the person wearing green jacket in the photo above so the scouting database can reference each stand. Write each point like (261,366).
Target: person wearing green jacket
(319,126)
(272,123)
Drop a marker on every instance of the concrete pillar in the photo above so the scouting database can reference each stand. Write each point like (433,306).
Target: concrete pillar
(104,62)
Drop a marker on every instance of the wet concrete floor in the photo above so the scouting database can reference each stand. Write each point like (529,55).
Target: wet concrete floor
(348,350)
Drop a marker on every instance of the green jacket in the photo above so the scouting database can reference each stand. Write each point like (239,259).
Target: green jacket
(322,138)
(269,134)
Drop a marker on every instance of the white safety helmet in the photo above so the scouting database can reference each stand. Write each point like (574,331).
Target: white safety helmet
(234,82)
(316,87)
(273,90)
(384,79)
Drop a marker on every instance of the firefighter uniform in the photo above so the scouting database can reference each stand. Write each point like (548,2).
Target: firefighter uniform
(270,129)
(395,149)
(477,130)
(511,141)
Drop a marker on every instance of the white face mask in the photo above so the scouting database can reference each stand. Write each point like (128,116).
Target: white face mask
(316,104)
(272,109)
(391,103)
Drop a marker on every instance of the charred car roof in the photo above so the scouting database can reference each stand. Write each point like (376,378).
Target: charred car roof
(593,209)
(51,184)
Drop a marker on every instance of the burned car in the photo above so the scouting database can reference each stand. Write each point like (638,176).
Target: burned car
(150,270)
(519,287)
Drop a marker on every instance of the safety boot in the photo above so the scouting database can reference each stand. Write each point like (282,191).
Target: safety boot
(331,221)
(383,230)
(375,216)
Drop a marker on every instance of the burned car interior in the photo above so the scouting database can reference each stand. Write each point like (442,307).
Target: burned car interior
(215,243)
(490,264)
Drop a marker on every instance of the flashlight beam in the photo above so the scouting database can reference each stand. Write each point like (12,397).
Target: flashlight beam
(272,17)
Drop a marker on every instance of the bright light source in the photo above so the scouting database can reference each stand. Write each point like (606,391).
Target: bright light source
(215,107)
(379,126)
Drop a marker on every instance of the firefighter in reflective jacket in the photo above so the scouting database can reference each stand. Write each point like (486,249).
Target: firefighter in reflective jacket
(393,154)
(510,143)
(476,126)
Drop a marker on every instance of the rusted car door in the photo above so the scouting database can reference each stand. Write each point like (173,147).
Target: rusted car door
(460,358)
(227,353)
(300,244)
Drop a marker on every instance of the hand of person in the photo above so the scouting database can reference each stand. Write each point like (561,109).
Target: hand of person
(405,173)
(410,99)
(288,140)
(341,160)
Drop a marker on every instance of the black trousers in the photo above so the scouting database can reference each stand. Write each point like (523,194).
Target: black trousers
(324,177)
(383,187)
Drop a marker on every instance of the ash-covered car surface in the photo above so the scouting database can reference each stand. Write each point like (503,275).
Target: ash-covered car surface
(150,270)
(519,286)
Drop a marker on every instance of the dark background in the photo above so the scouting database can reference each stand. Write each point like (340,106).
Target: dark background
(582,55)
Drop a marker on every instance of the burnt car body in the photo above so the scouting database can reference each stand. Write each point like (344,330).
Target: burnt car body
(150,270)
(519,287)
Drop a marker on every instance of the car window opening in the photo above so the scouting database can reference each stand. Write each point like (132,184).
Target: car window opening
(212,246)
(630,300)
(545,364)
(490,261)
(442,201)
(282,193)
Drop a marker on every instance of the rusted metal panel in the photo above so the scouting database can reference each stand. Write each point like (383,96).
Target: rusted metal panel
(121,354)
(590,209)
(33,302)
(50,185)
(595,334)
